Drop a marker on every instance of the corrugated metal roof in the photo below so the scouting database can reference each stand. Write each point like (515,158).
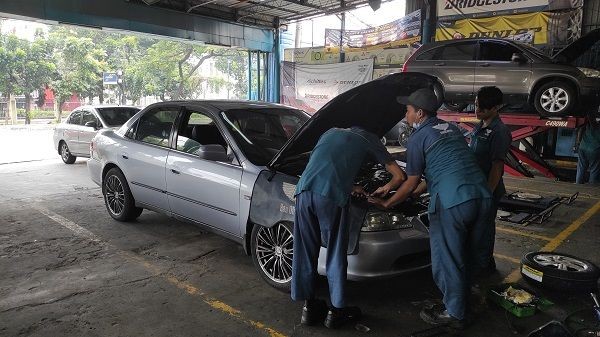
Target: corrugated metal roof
(255,12)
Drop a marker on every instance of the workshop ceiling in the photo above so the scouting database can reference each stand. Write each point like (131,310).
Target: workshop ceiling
(267,13)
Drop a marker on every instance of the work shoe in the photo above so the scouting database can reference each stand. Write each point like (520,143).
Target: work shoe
(338,317)
(438,315)
(313,312)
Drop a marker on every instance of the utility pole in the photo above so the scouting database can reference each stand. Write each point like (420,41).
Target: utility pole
(342,30)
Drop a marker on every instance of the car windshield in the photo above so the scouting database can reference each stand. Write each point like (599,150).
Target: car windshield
(533,50)
(116,116)
(262,132)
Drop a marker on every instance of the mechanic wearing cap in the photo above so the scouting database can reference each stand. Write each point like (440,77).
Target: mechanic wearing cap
(490,141)
(459,208)
(322,198)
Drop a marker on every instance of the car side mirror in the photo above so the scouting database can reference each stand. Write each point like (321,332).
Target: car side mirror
(92,124)
(518,58)
(214,152)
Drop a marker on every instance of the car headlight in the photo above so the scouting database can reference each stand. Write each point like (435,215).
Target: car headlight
(590,72)
(383,221)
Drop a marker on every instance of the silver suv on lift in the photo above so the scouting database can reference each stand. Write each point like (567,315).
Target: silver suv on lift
(565,84)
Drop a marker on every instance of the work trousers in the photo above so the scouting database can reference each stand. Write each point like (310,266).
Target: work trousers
(588,160)
(460,240)
(317,220)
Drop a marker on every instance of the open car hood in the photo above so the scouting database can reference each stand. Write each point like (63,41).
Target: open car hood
(583,52)
(373,103)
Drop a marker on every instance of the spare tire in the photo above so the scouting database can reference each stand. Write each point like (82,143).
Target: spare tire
(559,271)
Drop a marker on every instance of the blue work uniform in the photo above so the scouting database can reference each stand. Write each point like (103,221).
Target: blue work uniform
(459,207)
(589,156)
(322,196)
(489,144)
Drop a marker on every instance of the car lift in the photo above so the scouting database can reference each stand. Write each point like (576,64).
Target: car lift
(522,126)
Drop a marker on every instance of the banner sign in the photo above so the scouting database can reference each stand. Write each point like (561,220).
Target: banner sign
(465,9)
(404,28)
(529,28)
(309,87)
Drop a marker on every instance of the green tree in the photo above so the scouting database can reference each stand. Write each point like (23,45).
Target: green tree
(36,71)
(235,66)
(78,64)
(12,56)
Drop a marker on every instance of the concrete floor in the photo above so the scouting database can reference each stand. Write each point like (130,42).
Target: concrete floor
(68,269)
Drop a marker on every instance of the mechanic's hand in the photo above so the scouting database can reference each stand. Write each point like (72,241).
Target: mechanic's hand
(382,191)
(378,202)
(358,191)
(415,194)
(575,148)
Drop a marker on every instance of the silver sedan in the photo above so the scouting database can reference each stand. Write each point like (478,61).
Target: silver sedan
(72,137)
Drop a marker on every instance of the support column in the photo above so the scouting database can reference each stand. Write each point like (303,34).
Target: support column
(12,109)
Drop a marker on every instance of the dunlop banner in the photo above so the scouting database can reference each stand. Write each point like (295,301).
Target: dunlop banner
(404,28)
(530,28)
(465,9)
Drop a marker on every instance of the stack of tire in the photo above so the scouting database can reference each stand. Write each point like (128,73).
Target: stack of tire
(559,271)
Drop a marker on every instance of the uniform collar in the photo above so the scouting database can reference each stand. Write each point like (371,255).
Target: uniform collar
(492,125)
(429,120)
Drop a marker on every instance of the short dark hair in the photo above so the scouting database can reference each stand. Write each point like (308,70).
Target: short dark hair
(489,97)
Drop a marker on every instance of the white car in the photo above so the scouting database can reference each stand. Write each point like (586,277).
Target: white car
(72,137)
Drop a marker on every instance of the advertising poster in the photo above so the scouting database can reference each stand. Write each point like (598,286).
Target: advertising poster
(465,9)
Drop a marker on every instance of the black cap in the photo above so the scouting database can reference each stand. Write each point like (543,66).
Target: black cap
(424,99)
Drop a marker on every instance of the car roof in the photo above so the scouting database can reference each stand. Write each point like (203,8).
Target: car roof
(223,105)
(98,106)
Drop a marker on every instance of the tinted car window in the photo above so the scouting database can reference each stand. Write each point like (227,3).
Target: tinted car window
(75,118)
(155,126)
(131,132)
(87,116)
(261,133)
(456,52)
(494,51)
(116,116)
(428,55)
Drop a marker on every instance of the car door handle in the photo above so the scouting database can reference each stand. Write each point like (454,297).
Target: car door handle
(484,65)
(175,171)
(124,156)
(440,64)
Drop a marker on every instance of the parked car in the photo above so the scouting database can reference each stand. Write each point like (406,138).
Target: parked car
(554,86)
(72,137)
(232,167)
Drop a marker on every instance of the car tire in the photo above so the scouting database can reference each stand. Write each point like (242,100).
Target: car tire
(118,198)
(458,107)
(554,99)
(272,254)
(65,154)
(559,271)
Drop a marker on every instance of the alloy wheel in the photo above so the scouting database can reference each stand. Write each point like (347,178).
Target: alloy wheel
(554,99)
(561,262)
(114,194)
(64,152)
(274,252)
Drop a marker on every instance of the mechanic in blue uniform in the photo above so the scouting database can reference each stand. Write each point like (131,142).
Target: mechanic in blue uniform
(588,150)
(490,141)
(322,198)
(459,207)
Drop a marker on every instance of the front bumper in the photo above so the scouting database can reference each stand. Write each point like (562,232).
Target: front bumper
(387,253)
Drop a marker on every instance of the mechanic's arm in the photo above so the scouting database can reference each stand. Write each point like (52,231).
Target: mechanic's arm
(401,194)
(398,176)
(495,174)
(420,189)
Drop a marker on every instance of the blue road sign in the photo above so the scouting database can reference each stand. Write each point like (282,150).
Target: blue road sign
(109,78)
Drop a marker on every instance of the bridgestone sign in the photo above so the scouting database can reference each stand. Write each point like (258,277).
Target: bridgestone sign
(463,9)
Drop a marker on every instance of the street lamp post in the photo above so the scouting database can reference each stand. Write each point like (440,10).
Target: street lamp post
(120,83)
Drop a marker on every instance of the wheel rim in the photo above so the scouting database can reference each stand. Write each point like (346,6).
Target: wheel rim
(561,262)
(114,195)
(64,151)
(554,99)
(274,252)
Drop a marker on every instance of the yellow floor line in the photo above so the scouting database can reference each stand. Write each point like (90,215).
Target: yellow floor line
(508,258)
(560,238)
(518,232)
(186,286)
